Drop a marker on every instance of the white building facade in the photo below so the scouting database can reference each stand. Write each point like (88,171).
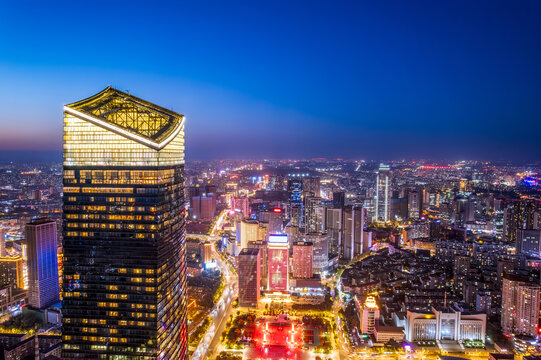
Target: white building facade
(445,324)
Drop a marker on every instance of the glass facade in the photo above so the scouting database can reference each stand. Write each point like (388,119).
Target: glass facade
(124,283)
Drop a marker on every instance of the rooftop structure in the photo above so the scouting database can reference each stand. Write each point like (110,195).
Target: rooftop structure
(129,116)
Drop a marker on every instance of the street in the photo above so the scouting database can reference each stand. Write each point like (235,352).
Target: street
(224,307)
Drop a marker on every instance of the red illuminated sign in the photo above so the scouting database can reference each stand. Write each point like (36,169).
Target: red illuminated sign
(277,210)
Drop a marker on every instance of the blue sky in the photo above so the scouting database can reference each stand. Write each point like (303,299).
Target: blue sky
(352,79)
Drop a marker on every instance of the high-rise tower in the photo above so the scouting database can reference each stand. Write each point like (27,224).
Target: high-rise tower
(42,253)
(383,195)
(124,282)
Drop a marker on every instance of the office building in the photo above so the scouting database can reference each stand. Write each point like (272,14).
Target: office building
(203,207)
(249,277)
(294,234)
(42,263)
(11,271)
(519,215)
(247,230)
(263,259)
(415,204)
(529,242)
(278,258)
(206,252)
(368,313)
(384,334)
(240,204)
(294,187)
(367,241)
(303,253)
(338,199)
(312,186)
(124,277)
(447,324)
(315,214)
(353,225)
(320,242)
(383,195)
(520,306)
(297,210)
(469,210)
(273,219)
(333,225)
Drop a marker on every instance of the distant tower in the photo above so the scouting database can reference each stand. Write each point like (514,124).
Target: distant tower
(338,199)
(353,224)
(383,196)
(42,253)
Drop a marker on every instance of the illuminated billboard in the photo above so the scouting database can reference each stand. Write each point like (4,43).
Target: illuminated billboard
(277,239)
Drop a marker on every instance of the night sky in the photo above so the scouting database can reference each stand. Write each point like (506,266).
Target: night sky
(352,79)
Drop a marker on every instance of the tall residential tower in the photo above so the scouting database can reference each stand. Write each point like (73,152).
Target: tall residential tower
(124,282)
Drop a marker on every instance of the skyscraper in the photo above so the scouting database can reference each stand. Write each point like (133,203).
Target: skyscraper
(333,225)
(315,214)
(240,204)
(42,254)
(529,242)
(294,187)
(383,195)
(312,185)
(249,277)
(520,306)
(303,254)
(353,224)
(273,219)
(278,257)
(264,269)
(204,207)
(519,215)
(247,230)
(338,199)
(124,281)
(415,204)
(321,251)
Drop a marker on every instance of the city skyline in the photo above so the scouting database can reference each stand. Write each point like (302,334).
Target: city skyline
(270,180)
(441,80)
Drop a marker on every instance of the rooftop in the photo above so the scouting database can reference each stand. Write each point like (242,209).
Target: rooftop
(129,116)
(249,251)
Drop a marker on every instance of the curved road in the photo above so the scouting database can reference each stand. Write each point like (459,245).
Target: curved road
(220,313)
